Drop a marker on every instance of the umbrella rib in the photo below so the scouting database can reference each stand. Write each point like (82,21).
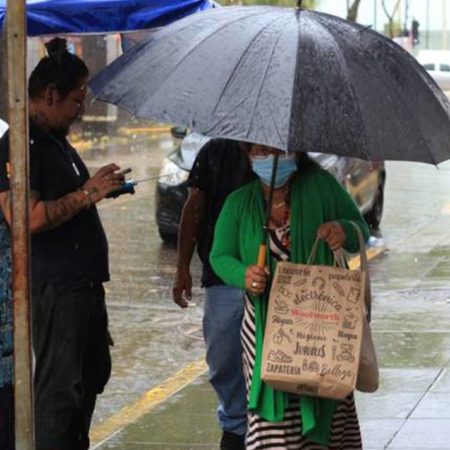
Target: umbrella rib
(194,47)
(244,54)
(224,89)
(128,56)
(214,125)
(269,63)
(276,127)
(342,63)
(411,116)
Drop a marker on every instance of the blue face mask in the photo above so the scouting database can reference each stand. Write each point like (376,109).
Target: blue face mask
(263,168)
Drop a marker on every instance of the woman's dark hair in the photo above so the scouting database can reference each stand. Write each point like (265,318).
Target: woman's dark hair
(305,163)
(60,68)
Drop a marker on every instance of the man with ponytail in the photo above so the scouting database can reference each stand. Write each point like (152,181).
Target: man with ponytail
(69,255)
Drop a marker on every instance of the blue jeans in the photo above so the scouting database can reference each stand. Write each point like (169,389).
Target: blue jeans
(223,314)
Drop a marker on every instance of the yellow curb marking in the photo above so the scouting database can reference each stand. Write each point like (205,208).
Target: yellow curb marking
(147,402)
(82,145)
(371,252)
(154,397)
(144,130)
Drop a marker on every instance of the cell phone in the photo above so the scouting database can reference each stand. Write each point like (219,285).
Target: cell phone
(124,171)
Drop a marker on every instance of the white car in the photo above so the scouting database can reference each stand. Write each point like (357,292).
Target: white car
(364,181)
(437,64)
(3,127)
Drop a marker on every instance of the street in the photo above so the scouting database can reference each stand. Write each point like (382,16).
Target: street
(154,338)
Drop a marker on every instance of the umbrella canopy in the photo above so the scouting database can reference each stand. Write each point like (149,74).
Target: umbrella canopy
(287,78)
(102,16)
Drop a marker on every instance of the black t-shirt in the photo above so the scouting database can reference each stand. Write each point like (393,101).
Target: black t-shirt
(74,254)
(220,168)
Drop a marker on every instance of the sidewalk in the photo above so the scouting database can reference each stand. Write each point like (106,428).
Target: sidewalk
(411,326)
(410,411)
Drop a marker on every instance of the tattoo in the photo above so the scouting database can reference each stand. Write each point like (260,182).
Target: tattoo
(62,210)
(41,119)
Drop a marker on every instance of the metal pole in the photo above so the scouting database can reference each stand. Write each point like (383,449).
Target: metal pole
(427,41)
(375,15)
(18,142)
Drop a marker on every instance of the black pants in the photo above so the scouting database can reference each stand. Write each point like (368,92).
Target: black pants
(6,418)
(73,364)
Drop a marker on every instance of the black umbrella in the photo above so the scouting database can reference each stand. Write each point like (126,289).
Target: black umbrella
(286,78)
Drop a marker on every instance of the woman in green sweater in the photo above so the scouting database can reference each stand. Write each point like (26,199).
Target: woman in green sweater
(308,202)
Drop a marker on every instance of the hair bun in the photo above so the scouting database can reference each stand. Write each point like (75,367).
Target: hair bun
(56,47)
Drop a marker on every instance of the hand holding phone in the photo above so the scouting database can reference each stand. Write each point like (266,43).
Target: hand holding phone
(124,172)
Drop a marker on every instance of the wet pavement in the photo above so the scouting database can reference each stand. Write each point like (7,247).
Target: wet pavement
(155,339)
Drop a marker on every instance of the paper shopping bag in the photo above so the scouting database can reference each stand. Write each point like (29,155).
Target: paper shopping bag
(313,330)
(368,374)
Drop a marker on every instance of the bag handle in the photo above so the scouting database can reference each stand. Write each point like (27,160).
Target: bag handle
(339,258)
(365,270)
(312,255)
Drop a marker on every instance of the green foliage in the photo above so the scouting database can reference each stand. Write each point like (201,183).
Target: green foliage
(352,10)
(306,4)
(393,28)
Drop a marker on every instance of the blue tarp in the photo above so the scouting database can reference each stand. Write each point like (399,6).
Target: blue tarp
(102,16)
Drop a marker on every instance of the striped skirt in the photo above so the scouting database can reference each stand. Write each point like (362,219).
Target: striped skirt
(286,435)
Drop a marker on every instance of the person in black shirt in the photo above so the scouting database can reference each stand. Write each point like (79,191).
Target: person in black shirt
(220,167)
(69,255)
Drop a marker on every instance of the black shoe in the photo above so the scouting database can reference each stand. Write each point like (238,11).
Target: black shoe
(231,441)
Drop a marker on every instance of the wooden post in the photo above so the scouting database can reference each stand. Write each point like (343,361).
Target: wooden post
(18,141)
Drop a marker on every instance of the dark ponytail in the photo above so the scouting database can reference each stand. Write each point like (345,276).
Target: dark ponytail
(60,68)
(305,163)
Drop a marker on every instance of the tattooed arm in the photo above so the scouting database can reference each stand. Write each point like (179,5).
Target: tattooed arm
(49,214)
(46,215)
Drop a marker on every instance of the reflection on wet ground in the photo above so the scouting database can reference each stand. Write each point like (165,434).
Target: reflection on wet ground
(153,337)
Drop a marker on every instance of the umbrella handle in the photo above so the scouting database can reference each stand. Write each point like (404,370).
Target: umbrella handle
(262,248)
(262,256)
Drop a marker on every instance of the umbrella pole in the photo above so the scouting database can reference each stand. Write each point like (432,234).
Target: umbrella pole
(263,247)
(18,145)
